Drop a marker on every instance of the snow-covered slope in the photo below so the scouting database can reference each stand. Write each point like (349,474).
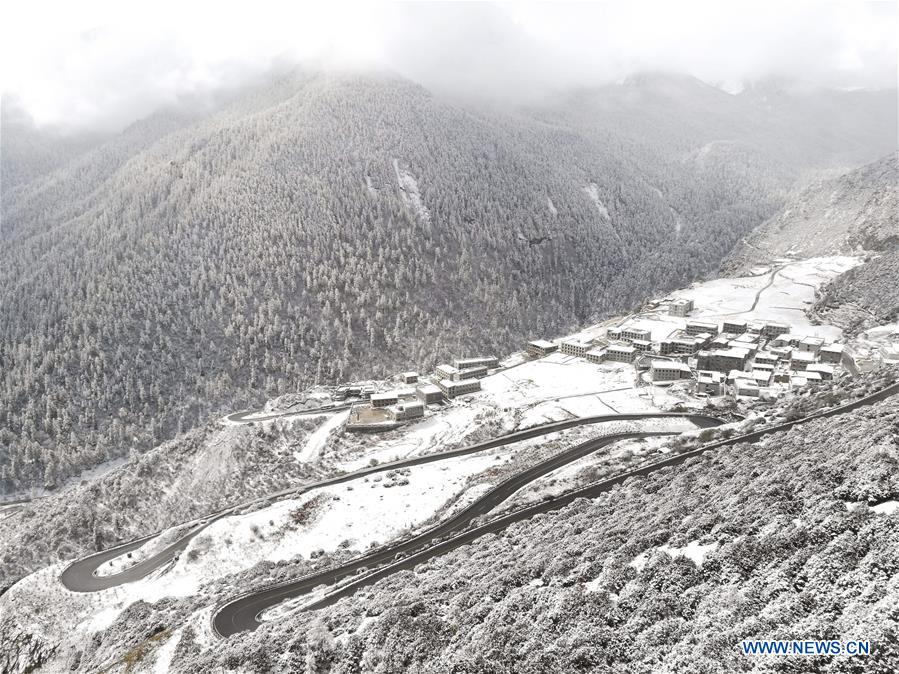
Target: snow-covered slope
(852,212)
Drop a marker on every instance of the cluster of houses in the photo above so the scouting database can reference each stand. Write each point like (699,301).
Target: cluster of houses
(743,357)
(389,409)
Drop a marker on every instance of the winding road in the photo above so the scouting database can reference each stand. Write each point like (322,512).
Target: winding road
(244,612)
(81,575)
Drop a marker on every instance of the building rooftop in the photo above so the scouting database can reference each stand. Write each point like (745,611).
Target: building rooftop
(542,343)
(670,365)
(732,352)
(429,388)
(385,395)
(621,349)
(802,355)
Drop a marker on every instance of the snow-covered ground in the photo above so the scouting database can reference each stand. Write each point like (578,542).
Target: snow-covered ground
(559,387)
(317,439)
(791,292)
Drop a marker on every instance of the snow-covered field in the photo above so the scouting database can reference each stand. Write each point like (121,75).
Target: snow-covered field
(791,292)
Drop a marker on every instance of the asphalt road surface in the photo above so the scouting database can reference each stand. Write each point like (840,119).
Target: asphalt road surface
(243,612)
(80,576)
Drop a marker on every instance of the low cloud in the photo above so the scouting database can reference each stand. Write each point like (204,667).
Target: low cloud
(102,64)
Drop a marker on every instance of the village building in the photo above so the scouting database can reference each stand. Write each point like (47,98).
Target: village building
(722,360)
(750,347)
(832,353)
(733,327)
(747,388)
(761,377)
(679,345)
(797,381)
(811,344)
(786,339)
(574,347)
(596,356)
(642,345)
(473,372)
(540,347)
(766,358)
(799,360)
(409,377)
(445,371)
(452,389)
(680,307)
(772,330)
(697,327)
(479,361)
(621,354)
(709,383)
(668,370)
(384,399)
(429,394)
(631,333)
(782,352)
(823,369)
(407,409)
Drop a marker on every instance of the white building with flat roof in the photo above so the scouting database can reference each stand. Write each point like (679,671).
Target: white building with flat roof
(477,361)
(540,347)
(446,371)
(384,399)
(575,347)
(621,354)
(429,394)
(452,389)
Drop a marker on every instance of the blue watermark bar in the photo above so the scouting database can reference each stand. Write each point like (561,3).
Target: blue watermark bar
(805,647)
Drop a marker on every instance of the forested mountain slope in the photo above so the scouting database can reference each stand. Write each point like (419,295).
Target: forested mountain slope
(858,210)
(319,227)
(863,297)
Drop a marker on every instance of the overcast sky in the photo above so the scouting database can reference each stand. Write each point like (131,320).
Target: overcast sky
(106,63)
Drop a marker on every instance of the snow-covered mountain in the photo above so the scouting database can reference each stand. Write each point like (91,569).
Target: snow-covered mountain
(313,228)
(848,213)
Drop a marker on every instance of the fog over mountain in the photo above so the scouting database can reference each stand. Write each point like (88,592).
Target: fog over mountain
(100,64)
